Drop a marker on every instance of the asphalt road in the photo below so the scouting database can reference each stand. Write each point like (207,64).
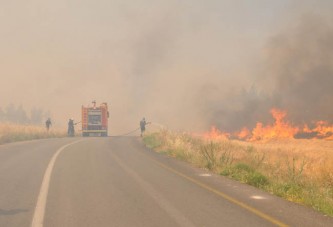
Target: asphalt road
(118,182)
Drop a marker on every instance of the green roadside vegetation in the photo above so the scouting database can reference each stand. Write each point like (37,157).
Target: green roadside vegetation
(282,170)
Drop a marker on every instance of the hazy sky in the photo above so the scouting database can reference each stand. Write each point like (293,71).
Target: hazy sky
(149,58)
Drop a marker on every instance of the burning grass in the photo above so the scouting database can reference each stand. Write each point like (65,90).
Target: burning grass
(300,170)
(281,129)
(10,132)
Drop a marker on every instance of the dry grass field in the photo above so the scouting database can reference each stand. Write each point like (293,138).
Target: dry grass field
(300,170)
(10,132)
(317,155)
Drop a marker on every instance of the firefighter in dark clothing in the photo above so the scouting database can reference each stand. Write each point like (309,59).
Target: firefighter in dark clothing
(48,123)
(143,124)
(71,131)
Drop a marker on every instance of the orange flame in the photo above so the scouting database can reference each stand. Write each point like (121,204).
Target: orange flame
(215,134)
(243,134)
(324,130)
(281,129)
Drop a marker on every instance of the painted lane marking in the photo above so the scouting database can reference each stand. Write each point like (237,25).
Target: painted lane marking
(205,175)
(221,194)
(257,197)
(38,218)
(162,202)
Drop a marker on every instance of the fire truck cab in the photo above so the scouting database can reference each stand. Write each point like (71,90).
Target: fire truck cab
(95,120)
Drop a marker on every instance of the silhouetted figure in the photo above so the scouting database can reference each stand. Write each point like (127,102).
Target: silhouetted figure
(71,130)
(143,124)
(48,124)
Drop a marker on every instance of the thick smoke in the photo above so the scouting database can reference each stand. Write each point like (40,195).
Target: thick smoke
(184,64)
(300,70)
(297,76)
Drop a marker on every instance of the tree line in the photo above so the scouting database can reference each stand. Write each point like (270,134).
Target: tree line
(17,114)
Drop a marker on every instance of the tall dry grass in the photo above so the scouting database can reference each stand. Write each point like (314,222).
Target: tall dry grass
(10,132)
(298,170)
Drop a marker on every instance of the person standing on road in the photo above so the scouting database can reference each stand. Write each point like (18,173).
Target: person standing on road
(48,123)
(143,124)
(71,131)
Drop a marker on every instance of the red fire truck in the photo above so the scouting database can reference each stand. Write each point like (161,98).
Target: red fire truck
(95,120)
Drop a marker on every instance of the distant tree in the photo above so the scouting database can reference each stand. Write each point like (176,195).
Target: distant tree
(2,115)
(21,115)
(10,114)
(36,116)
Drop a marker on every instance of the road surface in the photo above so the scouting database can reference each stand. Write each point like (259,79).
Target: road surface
(116,181)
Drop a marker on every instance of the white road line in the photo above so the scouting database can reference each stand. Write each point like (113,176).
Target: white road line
(257,197)
(205,175)
(38,218)
(174,213)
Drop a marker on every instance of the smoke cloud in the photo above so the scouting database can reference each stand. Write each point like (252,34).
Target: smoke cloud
(300,70)
(296,75)
(183,64)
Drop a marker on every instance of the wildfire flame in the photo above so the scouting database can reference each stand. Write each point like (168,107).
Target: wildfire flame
(243,134)
(215,134)
(322,130)
(281,129)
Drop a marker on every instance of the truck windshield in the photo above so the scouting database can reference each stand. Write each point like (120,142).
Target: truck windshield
(94,119)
